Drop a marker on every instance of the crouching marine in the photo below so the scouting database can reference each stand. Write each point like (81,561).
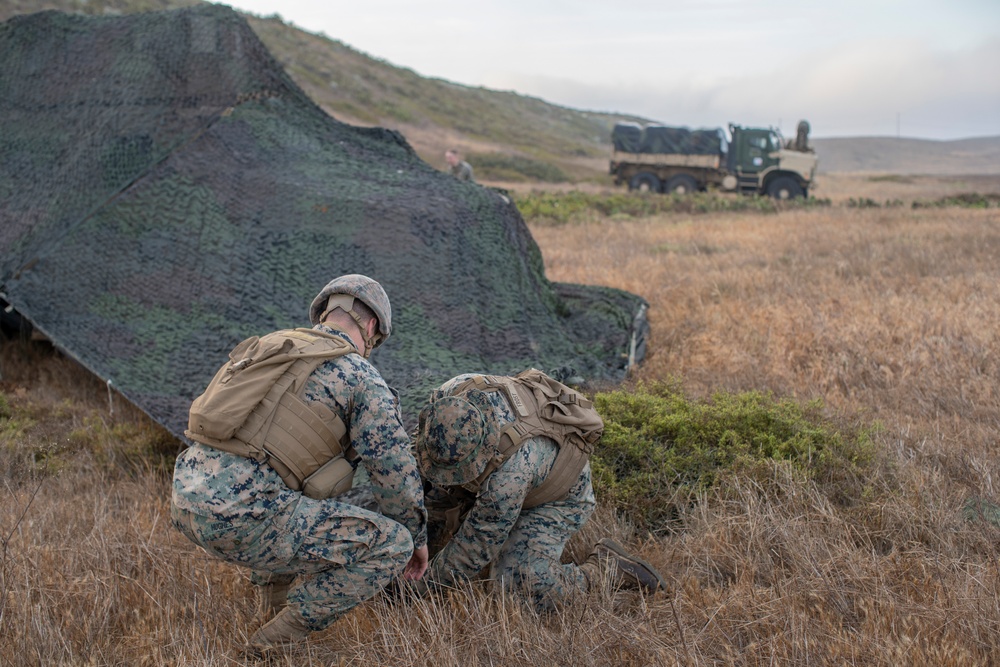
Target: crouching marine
(277,437)
(507,483)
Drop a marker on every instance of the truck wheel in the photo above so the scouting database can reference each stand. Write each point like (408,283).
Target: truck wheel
(682,184)
(784,187)
(644,182)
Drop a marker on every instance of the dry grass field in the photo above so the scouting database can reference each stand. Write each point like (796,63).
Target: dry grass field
(888,315)
(839,188)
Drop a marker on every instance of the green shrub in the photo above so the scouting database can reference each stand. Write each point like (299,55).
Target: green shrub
(660,448)
(576,206)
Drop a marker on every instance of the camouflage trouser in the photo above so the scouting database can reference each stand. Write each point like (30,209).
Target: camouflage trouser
(337,554)
(529,561)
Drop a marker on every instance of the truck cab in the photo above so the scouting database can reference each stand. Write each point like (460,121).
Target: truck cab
(759,161)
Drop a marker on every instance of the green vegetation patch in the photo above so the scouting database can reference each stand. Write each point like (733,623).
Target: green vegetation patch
(127,445)
(15,421)
(890,178)
(965,200)
(557,208)
(517,168)
(868,202)
(660,449)
(40,438)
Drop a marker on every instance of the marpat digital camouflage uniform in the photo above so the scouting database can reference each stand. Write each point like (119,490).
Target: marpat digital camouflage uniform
(462,171)
(524,546)
(334,554)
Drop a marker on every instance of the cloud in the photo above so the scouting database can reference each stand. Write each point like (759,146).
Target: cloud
(855,89)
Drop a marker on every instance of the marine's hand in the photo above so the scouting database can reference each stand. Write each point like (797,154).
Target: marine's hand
(417,566)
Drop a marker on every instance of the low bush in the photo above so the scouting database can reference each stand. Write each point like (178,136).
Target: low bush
(661,449)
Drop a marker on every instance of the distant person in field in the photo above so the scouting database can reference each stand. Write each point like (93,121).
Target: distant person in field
(459,168)
(268,496)
(507,481)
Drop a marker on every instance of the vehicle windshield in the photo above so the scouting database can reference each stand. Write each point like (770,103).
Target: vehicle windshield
(776,142)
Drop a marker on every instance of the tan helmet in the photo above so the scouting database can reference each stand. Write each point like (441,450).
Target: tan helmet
(341,293)
(457,438)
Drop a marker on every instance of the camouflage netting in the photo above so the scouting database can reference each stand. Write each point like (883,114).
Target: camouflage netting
(166,190)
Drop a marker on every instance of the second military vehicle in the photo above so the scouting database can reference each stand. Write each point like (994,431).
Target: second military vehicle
(658,158)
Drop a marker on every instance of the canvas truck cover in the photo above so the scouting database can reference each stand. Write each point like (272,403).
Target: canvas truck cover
(662,139)
(707,142)
(166,191)
(627,137)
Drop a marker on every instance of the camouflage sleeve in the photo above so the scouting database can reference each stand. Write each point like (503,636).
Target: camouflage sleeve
(378,436)
(489,522)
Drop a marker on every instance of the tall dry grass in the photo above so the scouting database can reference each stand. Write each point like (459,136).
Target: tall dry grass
(891,313)
(887,315)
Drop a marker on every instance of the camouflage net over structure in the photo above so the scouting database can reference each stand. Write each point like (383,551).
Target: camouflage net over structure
(166,190)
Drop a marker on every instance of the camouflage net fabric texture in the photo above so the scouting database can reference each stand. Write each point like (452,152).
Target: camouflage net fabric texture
(166,190)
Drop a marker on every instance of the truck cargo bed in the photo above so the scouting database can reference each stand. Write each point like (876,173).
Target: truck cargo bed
(668,159)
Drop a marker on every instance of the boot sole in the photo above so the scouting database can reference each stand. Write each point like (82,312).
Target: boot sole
(611,545)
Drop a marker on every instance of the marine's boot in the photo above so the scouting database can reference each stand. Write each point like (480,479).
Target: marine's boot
(627,570)
(271,599)
(286,627)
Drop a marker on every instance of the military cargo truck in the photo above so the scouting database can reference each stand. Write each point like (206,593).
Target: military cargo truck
(658,158)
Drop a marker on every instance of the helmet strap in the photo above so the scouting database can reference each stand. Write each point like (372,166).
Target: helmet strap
(346,303)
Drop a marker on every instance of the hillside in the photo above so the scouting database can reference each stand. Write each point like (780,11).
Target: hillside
(509,137)
(979,155)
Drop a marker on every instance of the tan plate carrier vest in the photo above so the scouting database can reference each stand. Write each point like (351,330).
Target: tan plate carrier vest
(542,407)
(254,407)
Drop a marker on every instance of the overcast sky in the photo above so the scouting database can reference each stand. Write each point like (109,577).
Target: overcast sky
(927,68)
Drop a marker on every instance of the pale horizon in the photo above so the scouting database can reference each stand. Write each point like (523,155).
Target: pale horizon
(917,69)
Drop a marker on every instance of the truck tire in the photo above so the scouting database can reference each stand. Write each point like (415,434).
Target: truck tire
(644,181)
(785,187)
(682,184)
